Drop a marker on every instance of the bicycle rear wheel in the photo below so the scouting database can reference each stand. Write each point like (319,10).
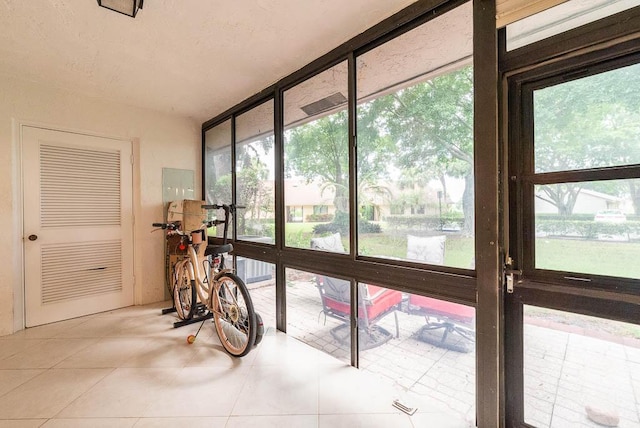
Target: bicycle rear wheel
(233,315)
(184,292)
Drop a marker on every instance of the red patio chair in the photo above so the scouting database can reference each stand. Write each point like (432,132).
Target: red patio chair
(374,303)
(451,318)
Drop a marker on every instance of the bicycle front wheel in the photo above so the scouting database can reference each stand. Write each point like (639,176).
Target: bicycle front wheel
(184,292)
(233,315)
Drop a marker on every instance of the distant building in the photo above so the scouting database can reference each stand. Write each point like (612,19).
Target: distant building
(588,202)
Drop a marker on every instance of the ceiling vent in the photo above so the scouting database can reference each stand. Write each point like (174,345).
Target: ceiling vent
(324,104)
(126,7)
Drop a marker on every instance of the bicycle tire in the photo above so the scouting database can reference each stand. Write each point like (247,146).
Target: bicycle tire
(259,330)
(233,315)
(184,292)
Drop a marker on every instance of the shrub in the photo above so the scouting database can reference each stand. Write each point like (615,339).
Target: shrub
(319,218)
(340,224)
(572,217)
(423,222)
(586,229)
(365,226)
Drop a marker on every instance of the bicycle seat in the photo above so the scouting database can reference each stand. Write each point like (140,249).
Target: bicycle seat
(214,250)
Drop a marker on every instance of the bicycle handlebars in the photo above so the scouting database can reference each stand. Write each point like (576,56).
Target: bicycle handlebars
(228,209)
(174,227)
(216,207)
(170,226)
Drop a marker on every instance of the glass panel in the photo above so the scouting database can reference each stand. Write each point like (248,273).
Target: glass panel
(588,123)
(255,173)
(589,227)
(318,309)
(561,18)
(425,346)
(217,174)
(177,184)
(415,144)
(316,150)
(260,278)
(218,164)
(580,370)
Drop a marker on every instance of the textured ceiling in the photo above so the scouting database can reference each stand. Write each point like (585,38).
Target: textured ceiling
(193,58)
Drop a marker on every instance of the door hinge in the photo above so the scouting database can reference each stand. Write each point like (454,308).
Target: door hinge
(132,159)
(510,274)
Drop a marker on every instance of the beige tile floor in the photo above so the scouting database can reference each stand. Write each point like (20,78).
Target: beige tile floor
(130,368)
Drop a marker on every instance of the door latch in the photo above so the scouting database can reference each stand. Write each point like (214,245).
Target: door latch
(510,274)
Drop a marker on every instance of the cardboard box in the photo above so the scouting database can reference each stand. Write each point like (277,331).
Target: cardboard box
(188,212)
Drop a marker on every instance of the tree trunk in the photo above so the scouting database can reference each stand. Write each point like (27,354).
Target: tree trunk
(468,207)
(341,199)
(634,190)
(443,182)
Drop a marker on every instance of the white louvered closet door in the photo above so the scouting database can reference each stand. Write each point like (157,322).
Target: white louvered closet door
(78,224)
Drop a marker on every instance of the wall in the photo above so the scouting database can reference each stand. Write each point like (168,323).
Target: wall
(160,140)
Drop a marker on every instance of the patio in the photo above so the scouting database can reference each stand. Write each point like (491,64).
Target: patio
(567,367)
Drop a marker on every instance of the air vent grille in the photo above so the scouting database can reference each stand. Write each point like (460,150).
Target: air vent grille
(324,104)
(73,271)
(79,187)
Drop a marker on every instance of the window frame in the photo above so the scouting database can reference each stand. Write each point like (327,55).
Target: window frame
(523,183)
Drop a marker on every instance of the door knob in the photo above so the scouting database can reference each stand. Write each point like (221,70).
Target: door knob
(33,237)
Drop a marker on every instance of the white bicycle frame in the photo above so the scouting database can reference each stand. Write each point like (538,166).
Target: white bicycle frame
(220,290)
(203,277)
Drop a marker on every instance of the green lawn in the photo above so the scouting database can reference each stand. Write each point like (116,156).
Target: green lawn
(572,255)
(591,257)
(299,235)
(458,250)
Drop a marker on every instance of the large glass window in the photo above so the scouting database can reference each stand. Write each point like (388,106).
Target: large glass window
(580,370)
(583,225)
(410,181)
(260,278)
(316,149)
(415,144)
(255,174)
(217,153)
(318,312)
(217,175)
(424,346)
(590,122)
(588,227)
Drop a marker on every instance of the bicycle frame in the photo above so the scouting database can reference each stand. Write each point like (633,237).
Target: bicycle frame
(220,290)
(203,279)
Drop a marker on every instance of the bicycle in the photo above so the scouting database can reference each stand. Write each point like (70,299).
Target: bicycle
(202,276)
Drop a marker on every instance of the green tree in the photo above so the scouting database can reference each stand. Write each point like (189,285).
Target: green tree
(218,175)
(252,189)
(432,125)
(586,123)
(319,151)
(426,128)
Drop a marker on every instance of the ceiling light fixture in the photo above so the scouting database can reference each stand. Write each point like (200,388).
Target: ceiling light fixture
(126,7)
